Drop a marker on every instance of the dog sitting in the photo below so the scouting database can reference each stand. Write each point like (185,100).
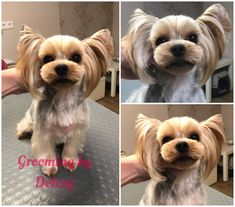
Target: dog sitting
(174,56)
(60,72)
(178,154)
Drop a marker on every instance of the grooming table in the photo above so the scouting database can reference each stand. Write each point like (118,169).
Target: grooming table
(132,194)
(97,186)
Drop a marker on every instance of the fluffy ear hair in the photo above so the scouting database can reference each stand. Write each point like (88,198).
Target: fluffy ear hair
(213,141)
(100,48)
(136,47)
(147,147)
(216,27)
(28,61)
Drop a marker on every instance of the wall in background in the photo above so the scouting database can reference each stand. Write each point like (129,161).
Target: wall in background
(43,17)
(82,19)
(115,28)
(127,10)
(162,9)
(198,112)
(227,113)
(75,18)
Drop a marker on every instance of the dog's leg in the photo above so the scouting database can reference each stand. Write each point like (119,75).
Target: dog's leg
(43,148)
(25,126)
(72,147)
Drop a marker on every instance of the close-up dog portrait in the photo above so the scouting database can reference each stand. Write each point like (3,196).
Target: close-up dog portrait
(175,55)
(176,154)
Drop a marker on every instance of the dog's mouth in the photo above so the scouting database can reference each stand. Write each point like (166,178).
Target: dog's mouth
(63,81)
(179,67)
(180,63)
(184,159)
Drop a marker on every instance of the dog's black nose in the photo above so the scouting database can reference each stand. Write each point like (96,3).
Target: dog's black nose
(182,147)
(61,69)
(178,50)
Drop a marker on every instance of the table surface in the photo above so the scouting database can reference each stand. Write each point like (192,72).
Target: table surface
(97,186)
(132,194)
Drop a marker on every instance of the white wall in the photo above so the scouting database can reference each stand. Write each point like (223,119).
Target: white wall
(43,17)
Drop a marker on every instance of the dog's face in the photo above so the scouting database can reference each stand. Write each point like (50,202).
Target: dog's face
(63,61)
(179,143)
(176,44)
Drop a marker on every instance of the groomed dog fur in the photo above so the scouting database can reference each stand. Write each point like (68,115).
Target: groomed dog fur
(174,56)
(60,72)
(178,154)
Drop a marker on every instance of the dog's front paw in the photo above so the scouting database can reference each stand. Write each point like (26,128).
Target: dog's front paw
(24,129)
(24,134)
(70,164)
(49,170)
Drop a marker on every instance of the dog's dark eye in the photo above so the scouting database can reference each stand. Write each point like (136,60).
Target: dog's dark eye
(194,136)
(47,59)
(166,139)
(76,58)
(161,40)
(192,38)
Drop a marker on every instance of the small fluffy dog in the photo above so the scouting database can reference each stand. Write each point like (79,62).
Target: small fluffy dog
(174,56)
(178,154)
(60,72)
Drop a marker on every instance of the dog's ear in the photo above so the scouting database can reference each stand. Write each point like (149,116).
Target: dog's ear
(147,147)
(99,50)
(216,27)
(101,44)
(136,47)
(213,141)
(28,62)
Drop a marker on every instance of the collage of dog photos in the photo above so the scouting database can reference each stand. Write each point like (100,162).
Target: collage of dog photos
(117,103)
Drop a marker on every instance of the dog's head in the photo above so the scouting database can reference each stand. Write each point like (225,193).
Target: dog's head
(63,61)
(176,44)
(179,143)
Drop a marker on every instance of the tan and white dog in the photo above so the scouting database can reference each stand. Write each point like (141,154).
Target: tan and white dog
(60,72)
(178,154)
(175,55)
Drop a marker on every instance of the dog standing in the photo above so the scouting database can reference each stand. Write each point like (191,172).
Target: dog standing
(60,72)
